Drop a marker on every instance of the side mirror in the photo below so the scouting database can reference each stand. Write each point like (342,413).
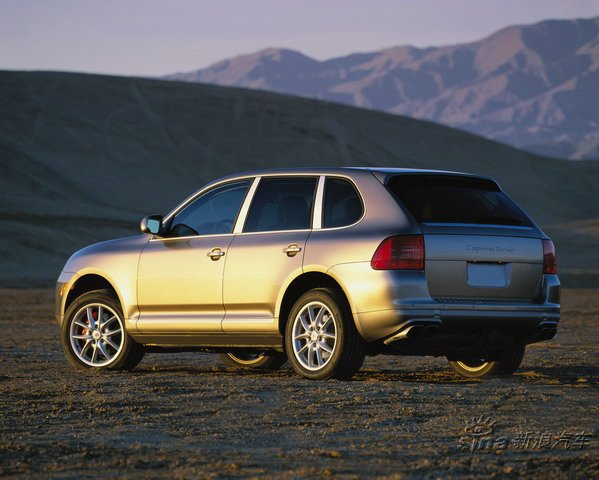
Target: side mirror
(152,224)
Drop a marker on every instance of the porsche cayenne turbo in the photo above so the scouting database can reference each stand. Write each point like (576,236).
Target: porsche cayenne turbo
(319,267)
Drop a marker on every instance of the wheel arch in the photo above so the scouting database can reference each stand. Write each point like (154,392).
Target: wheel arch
(87,282)
(300,285)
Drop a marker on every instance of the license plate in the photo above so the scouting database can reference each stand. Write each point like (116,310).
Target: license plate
(482,274)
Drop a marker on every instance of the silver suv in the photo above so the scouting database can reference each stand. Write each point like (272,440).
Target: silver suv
(320,267)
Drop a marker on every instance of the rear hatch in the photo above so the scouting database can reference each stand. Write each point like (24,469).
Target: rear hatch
(480,246)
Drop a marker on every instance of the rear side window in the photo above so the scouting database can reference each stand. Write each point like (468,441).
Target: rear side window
(282,204)
(455,199)
(342,204)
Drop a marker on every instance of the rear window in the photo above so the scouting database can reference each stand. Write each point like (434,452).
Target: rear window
(455,199)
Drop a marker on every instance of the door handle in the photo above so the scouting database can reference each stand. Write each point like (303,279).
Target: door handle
(215,254)
(292,250)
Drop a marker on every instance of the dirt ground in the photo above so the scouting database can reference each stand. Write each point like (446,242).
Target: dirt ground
(187,416)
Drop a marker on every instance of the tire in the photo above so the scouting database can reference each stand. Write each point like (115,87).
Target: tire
(240,359)
(505,362)
(321,339)
(105,347)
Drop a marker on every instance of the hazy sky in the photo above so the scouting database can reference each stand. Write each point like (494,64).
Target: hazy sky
(153,37)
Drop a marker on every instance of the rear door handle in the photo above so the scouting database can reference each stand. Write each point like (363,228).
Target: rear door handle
(215,254)
(292,250)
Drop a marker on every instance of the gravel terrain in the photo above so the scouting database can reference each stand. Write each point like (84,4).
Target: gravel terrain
(188,416)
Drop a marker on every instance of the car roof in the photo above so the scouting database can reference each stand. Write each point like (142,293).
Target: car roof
(382,173)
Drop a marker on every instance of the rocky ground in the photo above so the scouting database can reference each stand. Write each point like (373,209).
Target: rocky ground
(186,415)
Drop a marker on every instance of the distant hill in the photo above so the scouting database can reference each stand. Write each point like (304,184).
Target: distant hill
(535,87)
(84,157)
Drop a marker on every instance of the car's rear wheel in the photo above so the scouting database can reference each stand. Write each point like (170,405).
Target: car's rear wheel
(321,339)
(94,334)
(254,360)
(504,362)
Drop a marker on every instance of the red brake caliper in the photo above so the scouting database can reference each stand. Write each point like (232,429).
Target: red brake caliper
(94,316)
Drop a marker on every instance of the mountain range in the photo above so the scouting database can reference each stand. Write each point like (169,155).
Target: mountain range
(84,157)
(535,86)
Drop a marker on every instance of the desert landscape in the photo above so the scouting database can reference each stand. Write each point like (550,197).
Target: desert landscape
(188,416)
(84,157)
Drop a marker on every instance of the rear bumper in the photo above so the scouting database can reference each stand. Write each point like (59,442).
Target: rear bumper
(528,322)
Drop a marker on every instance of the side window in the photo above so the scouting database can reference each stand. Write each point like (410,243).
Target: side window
(282,204)
(212,213)
(342,204)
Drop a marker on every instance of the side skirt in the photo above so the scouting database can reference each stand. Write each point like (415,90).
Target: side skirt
(220,341)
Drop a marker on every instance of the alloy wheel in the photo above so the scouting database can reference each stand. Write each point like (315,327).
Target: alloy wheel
(473,365)
(96,334)
(314,336)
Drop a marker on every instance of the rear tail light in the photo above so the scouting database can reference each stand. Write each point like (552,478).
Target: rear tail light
(549,260)
(402,252)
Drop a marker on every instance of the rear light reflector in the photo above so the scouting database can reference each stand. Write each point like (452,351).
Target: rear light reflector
(401,252)
(549,260)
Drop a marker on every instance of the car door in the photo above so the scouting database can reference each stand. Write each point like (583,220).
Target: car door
(179,284)
(267,252)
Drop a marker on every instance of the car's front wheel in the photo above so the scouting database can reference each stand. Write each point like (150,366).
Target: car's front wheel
(321,339)
(94,334)
(254,360)
(504,362)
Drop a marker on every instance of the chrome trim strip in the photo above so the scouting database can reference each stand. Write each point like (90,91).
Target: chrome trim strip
(318,201)
(481,225)
(189,237)
(438,309)
(245,207)
(273,232)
